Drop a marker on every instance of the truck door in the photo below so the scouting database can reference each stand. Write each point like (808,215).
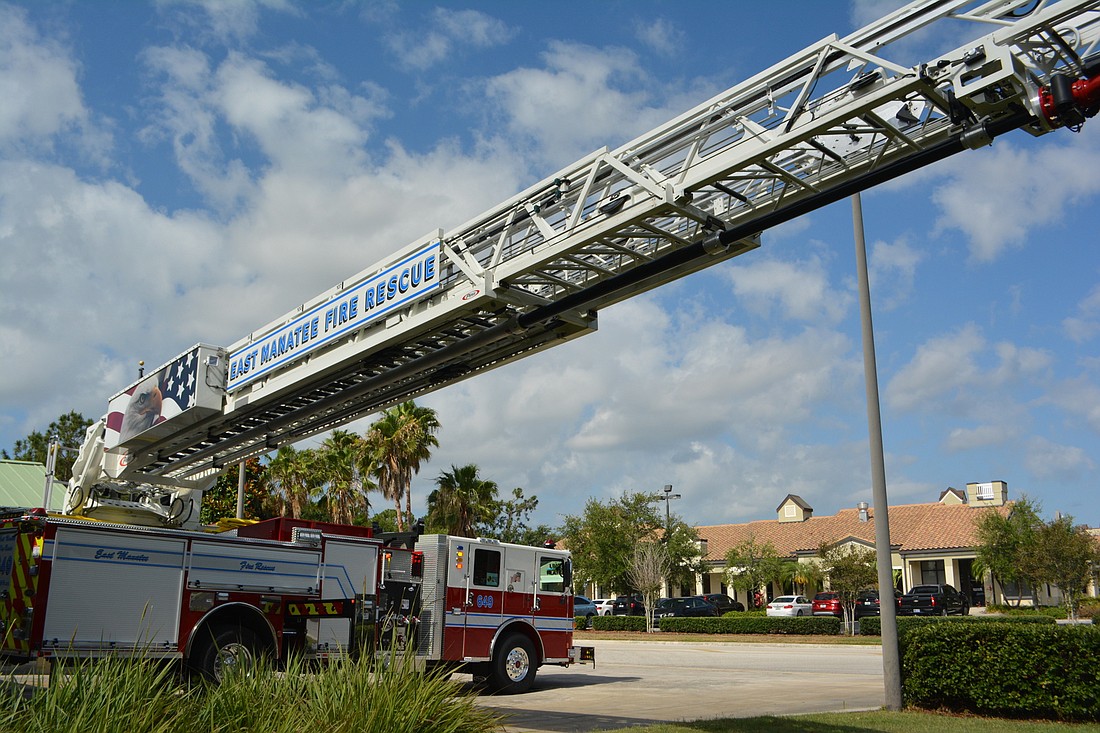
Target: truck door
(482,595)
(553,615)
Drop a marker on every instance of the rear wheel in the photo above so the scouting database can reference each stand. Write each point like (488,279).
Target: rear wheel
(514,665)
(225,650)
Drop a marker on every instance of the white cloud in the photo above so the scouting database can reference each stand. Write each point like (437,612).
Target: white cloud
(576,103)
(38,86)
(892,270)
(957,371)
(447,32)
(989,198)
(1078,397)
(800,290)
(1050,461)
(226,20)
(982,436)
(660,35)
(1085,325)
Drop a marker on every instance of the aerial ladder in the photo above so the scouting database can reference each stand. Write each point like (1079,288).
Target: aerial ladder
(839,117)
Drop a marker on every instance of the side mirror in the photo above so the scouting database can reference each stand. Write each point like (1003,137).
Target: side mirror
(567,572)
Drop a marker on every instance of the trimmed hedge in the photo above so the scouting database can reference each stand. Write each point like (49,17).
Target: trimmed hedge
(618,623)
(872,625)
(1019,670)
(741,624)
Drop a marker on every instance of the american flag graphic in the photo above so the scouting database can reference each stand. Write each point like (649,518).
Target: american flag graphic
(153,400)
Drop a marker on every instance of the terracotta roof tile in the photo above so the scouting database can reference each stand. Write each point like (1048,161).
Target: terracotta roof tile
(913,527)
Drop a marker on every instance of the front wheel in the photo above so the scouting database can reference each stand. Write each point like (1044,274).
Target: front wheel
(514,665)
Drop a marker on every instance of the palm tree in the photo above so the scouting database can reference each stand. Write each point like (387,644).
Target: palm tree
(462,501)
(399,442)
(423,424)
(341,461)
(289,474)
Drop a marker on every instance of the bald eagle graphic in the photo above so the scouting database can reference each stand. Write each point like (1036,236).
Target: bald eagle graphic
(143,410)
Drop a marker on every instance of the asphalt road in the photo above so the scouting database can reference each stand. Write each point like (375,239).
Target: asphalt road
(641,682)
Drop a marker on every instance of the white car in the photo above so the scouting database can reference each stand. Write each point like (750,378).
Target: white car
(790,606)
(604,606)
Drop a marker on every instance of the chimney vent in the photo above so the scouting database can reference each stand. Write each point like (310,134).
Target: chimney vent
(862,506)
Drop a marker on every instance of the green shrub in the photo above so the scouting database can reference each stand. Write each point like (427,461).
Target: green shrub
(1003,669)
(741,623)
(872,626)
(618,623)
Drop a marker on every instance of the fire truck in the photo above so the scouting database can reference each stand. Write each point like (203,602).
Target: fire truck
(129,566)
(87,589)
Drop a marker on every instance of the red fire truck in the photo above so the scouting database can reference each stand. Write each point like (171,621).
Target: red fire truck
(82,589)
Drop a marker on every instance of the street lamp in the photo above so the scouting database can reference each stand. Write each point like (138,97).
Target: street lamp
(669,496)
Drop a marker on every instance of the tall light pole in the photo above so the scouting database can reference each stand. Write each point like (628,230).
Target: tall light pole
(891,656)
(669,496)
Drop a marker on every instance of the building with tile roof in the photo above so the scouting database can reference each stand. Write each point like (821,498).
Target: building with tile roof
(930,543)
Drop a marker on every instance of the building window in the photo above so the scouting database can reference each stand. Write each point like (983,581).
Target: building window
(1016,590)
(788,511)
(932,572)
(985,492)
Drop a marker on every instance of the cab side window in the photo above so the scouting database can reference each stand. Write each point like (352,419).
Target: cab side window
(486,567)
(551,575)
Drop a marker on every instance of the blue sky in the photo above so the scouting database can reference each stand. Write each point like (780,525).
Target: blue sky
(186,171)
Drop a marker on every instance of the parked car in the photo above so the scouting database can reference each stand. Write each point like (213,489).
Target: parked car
(867,603)
(827,603)
(582,606)
(722,602)
(683,607)
(789,606)
(604,606)
(933,600)
(632,605)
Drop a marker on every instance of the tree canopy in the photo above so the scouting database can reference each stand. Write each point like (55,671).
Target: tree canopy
(604,537)
(750,566)
(69,430)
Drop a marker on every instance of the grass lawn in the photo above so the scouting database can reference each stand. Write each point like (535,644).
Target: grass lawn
(870,722)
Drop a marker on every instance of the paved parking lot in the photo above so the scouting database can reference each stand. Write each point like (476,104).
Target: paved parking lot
(641,682)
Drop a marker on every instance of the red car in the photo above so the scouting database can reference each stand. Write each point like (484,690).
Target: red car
(828,604)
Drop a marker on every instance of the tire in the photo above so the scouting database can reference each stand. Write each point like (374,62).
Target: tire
(966,611)
(799,613)
(514,665)
(222,650)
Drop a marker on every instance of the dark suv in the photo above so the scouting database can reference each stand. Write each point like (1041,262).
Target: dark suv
(632,605)
(867,604)
(722,602)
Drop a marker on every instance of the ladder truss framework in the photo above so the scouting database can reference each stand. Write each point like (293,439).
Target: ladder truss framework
(834,119)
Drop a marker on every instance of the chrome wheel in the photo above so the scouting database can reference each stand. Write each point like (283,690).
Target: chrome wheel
(233,659)
(517,664)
